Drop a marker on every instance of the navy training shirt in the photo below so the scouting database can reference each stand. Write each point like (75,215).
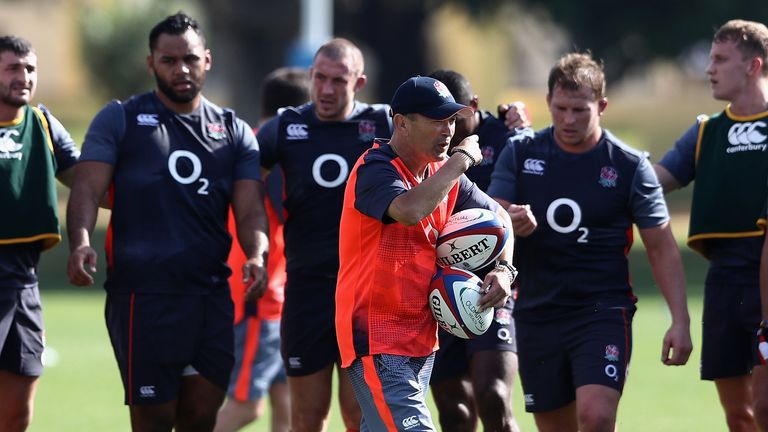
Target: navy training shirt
(585,205)
(316,157)
(173,180)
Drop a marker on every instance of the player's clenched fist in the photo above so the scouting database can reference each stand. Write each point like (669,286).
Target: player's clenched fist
(82,260)
(523,220)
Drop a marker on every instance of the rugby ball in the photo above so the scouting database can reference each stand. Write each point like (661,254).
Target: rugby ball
(471,239)
(453,297)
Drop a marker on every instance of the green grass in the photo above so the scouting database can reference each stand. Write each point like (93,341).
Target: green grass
(82,391)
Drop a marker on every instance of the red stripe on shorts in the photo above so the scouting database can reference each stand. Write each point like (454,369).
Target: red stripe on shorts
(374,384)
(130,350)
(250,350)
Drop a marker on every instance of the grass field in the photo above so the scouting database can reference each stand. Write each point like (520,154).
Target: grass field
(81,390)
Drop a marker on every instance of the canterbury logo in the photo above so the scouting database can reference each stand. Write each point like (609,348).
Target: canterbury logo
(147,120)
(746,133)
(534,166)
(147,391)
(7,144)
(410,422)
(296,131)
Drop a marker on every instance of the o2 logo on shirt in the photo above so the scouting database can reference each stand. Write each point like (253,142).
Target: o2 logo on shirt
(317,166)
(571,227)
(194,176)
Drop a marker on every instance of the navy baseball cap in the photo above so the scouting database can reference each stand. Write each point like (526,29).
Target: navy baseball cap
(428,97)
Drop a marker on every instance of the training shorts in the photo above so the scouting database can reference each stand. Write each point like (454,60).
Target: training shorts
(729,326)
(453,357)
(258,363)
(558,356)
(308,330)
(156,337)
(391,391)
(21,331)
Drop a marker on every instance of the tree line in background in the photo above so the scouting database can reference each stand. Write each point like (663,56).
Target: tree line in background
(250,38)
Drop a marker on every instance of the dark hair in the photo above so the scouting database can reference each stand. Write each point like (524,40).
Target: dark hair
(576,71)
(287,86)
(750,37)
(174,25)
(18,45)
(457,84)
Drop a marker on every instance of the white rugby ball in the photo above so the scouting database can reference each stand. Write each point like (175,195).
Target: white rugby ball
(471,239)
(453,298)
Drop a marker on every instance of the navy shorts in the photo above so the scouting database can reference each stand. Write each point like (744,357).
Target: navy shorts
(452,359)
(729,325)
(558,356)
(156,337)
(308,330)
(21,331)
(258,364)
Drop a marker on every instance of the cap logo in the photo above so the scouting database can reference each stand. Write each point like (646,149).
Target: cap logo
(442,90)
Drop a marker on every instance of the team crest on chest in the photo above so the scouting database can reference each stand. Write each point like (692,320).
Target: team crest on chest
(608,176)
(366,130)
(216,130)
(488,154)
(502,316)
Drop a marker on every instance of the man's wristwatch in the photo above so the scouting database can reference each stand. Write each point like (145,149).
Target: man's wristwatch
(508,268)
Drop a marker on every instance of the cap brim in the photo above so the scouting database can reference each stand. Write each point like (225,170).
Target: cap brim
(447,110)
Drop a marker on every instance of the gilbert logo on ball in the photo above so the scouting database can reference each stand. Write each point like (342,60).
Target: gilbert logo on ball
(471,239)
(453,297)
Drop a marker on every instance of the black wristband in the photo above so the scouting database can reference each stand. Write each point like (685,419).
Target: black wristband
(472,160)
(508,268)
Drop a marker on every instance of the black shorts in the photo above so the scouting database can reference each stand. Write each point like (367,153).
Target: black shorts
(556,357)
(729,325)
(452,359)
(307,328)
(156,337)
(21,331)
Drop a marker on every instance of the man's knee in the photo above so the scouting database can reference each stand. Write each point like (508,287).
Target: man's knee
(455,404)
(495,406)
(596,419)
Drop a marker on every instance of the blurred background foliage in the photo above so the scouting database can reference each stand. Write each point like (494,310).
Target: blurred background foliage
(114,40)
(250,38)
(654,51)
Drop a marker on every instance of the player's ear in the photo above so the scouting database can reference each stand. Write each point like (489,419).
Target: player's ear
(150,63)
(208,60)
(360,82)
(399,121)
(602,104)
